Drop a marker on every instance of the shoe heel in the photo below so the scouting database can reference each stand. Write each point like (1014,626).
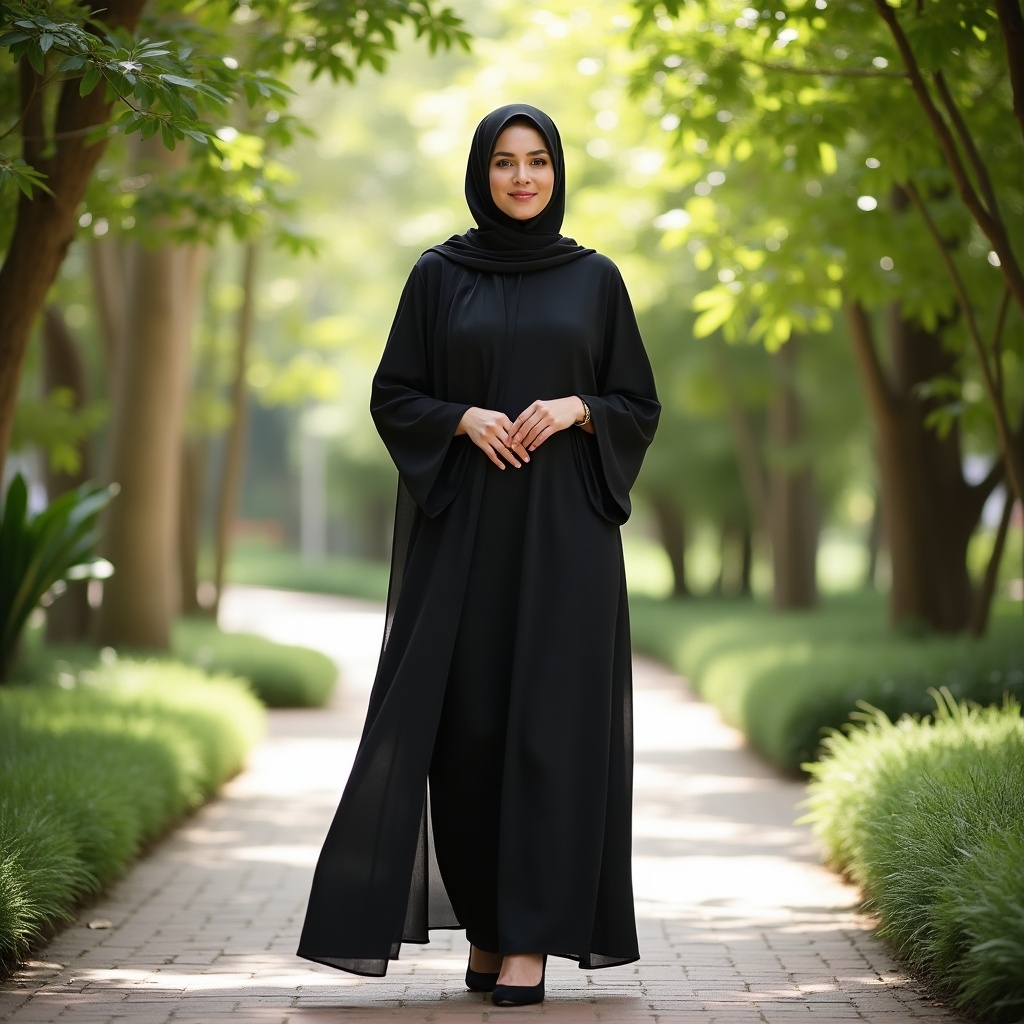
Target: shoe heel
(521,995)
(480,981)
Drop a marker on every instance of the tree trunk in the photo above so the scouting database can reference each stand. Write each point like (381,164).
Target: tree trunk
(188,526)
(746,588)
(141,530)
(793,520)
(748,457)
(108,270)
(45,224)
(672,529)
(875,542)
(234,454)
(737,555)
(929,509)
(68,618)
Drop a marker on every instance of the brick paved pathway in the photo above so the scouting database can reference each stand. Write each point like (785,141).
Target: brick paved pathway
(738,923)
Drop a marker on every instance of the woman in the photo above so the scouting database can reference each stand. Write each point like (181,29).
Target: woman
(492,785)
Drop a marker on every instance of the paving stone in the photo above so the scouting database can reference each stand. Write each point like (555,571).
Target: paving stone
(738,922)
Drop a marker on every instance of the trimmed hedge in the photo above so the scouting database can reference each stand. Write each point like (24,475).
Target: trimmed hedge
(282,675)
(927,817)
(785,678)
(93,770)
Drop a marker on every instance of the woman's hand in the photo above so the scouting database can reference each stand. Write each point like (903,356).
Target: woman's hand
(491,432)
(539,421)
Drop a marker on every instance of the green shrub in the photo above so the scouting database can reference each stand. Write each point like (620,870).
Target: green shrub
(92,772)
(282,675)
(927,816)
(785,678)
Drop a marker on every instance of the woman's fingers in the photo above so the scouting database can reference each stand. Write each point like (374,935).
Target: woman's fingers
(541,419)
(505,451)
(491,431)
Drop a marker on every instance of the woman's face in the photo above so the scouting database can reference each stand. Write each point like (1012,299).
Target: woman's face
(522,175)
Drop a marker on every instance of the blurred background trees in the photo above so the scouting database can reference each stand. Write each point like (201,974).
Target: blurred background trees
(817,208)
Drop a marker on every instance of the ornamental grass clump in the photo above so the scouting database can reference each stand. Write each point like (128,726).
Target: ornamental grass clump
(927,817)
(92,771)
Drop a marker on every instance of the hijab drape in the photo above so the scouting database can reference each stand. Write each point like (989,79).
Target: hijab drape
(500,243)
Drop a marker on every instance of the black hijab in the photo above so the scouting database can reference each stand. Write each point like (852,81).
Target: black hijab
(500,243)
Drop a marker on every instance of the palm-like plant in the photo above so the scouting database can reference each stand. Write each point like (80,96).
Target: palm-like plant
(37,553)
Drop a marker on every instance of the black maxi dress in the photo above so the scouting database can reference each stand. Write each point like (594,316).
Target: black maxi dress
(505,674)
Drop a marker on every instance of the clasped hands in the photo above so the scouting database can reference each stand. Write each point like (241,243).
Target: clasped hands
(508,443)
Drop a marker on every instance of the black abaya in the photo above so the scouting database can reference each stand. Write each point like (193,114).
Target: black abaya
(505,674)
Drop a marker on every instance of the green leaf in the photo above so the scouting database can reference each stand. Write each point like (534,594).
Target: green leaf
(184,83)
(827,155)
(710,320)
(35,58)
(74,62)
(89,81)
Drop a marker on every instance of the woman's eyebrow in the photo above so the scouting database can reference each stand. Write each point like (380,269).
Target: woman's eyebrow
(533,152)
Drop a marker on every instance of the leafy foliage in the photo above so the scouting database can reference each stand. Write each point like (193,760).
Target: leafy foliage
(794,128)
(179,85)
(57,427)
(37,554)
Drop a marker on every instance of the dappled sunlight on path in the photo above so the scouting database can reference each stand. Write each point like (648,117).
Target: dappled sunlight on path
(738,922)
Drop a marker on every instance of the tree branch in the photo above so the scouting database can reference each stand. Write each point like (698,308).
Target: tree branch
(992,479)
(799,69)
(77,115)
(995,395)
(984,594)
(876,383)
(967,142)
(1012,22)
(997,336)
(993,230)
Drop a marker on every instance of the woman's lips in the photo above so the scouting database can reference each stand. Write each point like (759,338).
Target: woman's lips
(522,196)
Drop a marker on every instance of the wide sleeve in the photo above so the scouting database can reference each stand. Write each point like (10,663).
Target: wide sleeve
(624,411)
(415,423)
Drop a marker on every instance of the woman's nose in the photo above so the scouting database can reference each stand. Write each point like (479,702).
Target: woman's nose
(522,175)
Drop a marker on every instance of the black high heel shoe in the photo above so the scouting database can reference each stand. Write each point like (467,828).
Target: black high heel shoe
(521,995)
(480,981)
